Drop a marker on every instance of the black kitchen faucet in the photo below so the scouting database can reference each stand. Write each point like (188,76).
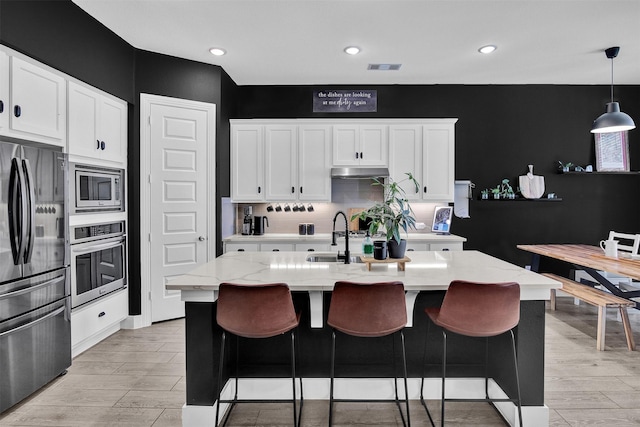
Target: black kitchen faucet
(347,257)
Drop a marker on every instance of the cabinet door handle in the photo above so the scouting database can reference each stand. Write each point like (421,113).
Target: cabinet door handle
(102,145)
(102,314)
(1,106)
(293,190)
(17,111)
(98,142)
(240,250)
(301,189)
(275,250)
(356,155)
(259,190)
(425,188)
(361,156)
(311,250)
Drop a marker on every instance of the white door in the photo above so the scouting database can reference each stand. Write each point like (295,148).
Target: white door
(180,213)
(373,145)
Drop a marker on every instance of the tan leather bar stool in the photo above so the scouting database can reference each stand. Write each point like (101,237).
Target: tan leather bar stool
(256,311)
(477,310)
(369,310)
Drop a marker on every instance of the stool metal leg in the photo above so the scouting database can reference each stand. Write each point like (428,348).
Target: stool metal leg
(220,370)
(406,387)
(424,373)
(333,361)
(515,364)
(444,374)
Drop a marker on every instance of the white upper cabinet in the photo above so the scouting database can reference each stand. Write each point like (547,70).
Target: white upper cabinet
(438,162)
(247,163)
(314,162)
(405,156)
(36,108)
(281,162)
(4,91)
(360,144)
(428,152)
(97,125)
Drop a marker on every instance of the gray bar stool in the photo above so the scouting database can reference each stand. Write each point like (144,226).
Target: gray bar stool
(256,311)
(369,310)
(477,310)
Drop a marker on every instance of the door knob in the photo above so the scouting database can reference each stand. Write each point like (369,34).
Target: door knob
(202,238)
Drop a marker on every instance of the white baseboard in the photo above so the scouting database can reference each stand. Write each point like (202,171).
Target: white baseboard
(365,388)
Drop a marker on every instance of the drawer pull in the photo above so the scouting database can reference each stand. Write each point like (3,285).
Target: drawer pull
(102,314)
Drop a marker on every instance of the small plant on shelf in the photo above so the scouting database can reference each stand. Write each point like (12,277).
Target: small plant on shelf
(507,190)
(496,192)
(484,194)
(565,167)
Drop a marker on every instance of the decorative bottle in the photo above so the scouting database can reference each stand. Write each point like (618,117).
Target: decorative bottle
(367,246)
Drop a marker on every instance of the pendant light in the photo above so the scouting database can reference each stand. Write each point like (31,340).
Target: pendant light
(613,120)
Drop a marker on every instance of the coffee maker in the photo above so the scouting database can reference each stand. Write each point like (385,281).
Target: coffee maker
(248,221)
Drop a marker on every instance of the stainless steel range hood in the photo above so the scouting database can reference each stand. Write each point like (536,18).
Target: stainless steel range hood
(359,173)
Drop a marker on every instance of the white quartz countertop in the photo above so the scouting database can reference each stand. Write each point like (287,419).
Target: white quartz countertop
(429,270)
(326,237)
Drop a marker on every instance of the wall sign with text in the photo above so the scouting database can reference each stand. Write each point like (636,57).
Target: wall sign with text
(345,101)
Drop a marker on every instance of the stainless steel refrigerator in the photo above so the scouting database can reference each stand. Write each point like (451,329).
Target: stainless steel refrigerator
(35,323)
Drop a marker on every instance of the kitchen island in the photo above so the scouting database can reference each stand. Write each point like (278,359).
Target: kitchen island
(426,278)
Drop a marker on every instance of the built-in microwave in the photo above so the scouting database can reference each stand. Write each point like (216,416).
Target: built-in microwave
(97,189)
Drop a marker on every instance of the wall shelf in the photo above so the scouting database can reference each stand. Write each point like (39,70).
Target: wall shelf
(599,173)
(521,199)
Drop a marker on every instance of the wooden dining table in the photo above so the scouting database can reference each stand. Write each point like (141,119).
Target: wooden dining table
(592,260)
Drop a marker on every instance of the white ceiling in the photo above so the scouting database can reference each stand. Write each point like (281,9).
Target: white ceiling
(297,42)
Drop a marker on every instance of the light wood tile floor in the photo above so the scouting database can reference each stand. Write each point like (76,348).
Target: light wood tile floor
(136,378)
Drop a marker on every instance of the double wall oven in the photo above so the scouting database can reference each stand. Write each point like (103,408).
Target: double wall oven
(98,261)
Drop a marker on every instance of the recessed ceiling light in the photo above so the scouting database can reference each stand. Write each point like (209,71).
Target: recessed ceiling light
(352,50)
(487,49)
(217,51)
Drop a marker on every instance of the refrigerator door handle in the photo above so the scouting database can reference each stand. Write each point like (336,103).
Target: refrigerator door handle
(17,214)
(31,209)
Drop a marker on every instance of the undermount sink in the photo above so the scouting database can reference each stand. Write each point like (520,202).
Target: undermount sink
(331,258)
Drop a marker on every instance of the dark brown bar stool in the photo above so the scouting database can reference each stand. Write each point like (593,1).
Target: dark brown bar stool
(256,311)
(369,310)
(477,310)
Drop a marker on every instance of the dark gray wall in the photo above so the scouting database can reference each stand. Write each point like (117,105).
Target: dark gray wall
(501,129)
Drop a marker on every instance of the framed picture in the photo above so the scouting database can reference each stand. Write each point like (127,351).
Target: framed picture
(442,220)
(612,152)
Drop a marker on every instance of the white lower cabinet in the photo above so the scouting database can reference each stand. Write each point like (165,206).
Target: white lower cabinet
(312,247)
(275,247)
(95,321)
(452,246)
(241,247)
(417,246)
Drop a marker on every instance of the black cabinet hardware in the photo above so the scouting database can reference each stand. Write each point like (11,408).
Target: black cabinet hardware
(17,111)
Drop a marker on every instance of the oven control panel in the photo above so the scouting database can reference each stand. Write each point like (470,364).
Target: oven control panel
(99,231)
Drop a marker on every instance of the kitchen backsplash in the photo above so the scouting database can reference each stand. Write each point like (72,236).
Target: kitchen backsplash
(346,194)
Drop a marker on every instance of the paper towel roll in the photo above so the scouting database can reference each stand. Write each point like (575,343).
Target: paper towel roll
(463,192)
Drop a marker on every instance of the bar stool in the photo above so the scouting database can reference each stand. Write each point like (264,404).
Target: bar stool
(368,310)
(256,311)
(477,310)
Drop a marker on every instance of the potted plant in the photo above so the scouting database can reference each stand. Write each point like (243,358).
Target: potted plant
(484,194)
(393,214)
(496,191)
(507,190)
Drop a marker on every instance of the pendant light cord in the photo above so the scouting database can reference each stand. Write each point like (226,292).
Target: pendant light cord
(611,79)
